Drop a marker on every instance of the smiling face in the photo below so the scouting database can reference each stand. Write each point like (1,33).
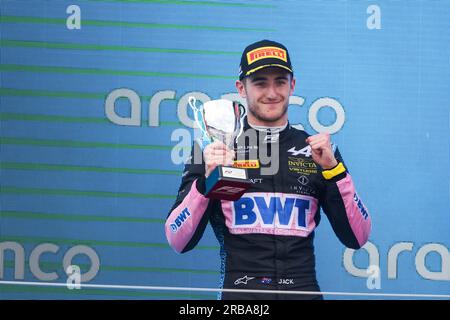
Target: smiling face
(267,93)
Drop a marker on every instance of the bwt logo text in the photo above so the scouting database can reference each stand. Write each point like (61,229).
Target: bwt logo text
(182,217)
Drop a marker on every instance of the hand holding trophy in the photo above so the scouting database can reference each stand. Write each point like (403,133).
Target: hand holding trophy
(220,122)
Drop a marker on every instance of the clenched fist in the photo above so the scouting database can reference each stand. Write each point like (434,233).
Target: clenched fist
(321,150)
(217,154)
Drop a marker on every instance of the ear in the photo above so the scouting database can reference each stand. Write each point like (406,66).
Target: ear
(293,80)
(241,88)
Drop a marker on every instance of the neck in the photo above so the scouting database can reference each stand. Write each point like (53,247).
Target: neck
(271,128)
(254,122)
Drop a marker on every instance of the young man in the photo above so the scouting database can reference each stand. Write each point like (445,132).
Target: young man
(266,236)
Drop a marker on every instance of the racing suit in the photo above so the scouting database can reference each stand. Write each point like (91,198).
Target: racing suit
(266,237)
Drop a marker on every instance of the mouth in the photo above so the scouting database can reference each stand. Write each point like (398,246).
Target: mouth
(272,104)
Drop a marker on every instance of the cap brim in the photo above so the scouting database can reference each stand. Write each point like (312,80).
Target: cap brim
(266,66)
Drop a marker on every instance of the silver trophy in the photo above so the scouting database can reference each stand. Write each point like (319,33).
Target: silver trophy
(221,120)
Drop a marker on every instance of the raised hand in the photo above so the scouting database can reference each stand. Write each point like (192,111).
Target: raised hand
(321,150)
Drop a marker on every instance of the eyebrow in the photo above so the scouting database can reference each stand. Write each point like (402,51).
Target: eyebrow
(283,77)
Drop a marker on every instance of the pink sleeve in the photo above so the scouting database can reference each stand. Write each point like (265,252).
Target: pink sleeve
(357,213)
(185,218)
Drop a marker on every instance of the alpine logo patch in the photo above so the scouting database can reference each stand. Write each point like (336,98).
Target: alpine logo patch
(306,151)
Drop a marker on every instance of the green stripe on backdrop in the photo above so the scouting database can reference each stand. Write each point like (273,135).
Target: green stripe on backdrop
(54,94)
(59,167)
(85,267)
(84,144)
(88,193)
(52,118)
(41,117)
(75,217)
(24,239)
(101,292)
(97,47)
(94,71)
(196,3)
(126,24)
(69,94)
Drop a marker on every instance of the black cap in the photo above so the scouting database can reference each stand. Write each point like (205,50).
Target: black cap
(263,54)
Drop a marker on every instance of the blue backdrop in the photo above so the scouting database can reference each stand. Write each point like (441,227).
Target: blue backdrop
(86,177)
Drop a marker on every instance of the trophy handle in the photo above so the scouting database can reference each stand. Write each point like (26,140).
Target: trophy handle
(200,120)
(242,110)
(239,111)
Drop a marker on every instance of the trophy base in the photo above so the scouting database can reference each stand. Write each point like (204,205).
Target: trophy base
(227,183)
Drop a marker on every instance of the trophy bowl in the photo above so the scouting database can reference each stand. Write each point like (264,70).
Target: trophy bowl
(221,120)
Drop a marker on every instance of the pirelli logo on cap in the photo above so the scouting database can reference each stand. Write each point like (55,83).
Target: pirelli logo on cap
(246,164)
(266,52)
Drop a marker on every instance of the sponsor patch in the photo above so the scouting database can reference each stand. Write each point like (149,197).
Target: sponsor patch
(266,52)
(306,190)
(361,207)
(302,166)
(274,213)
(246,164)
(243,280)
(271,138)
(180,220)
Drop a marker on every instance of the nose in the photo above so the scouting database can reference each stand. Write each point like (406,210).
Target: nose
(271,92)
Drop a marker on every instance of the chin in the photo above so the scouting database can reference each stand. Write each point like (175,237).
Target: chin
(272,118)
